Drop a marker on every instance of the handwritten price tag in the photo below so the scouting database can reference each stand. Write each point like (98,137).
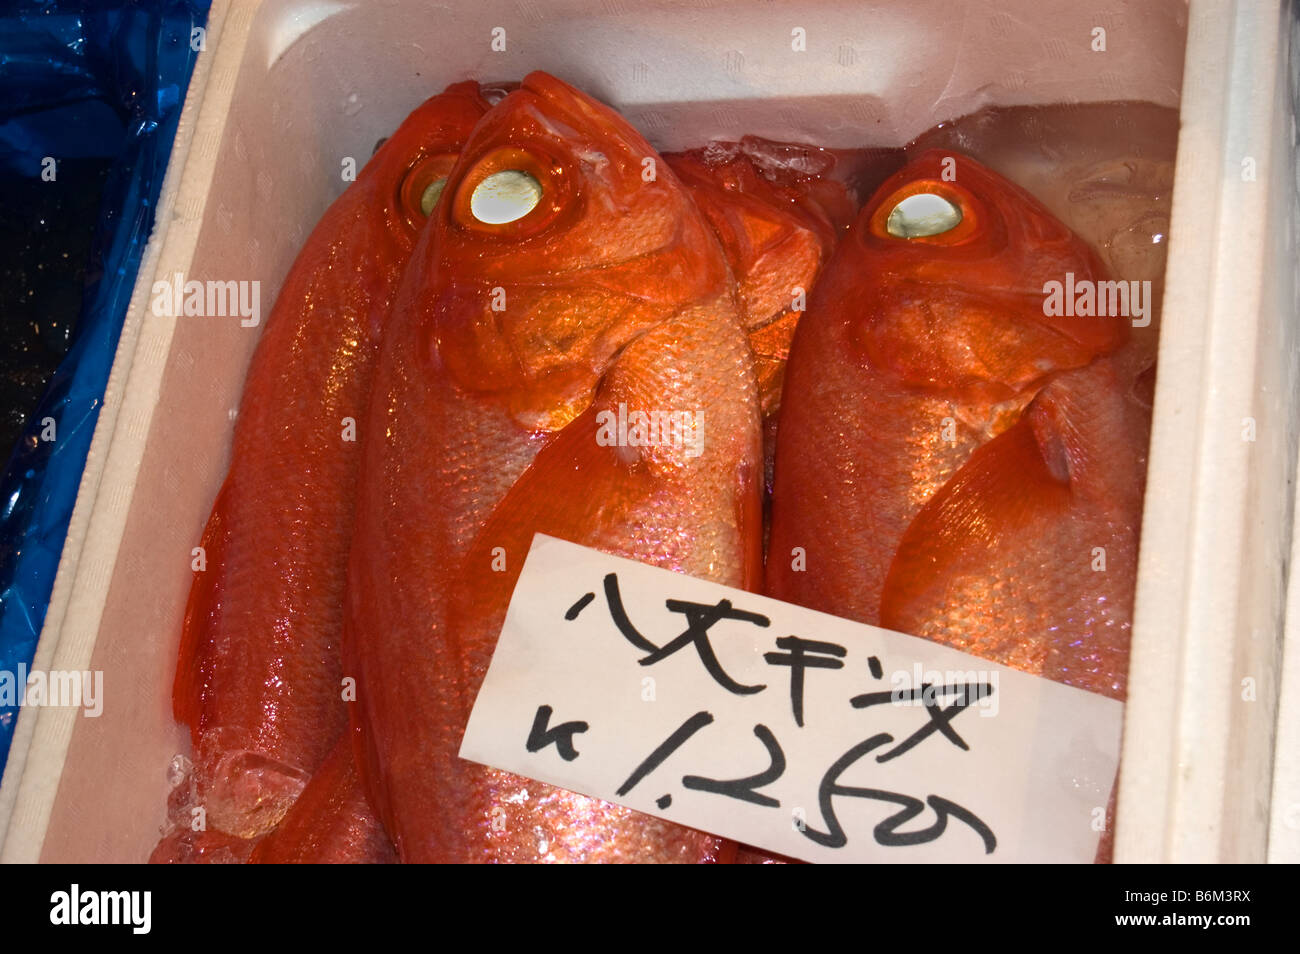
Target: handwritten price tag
(780,727)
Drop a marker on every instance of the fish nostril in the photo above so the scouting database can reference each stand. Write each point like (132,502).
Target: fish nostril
(923,214)
(505,196)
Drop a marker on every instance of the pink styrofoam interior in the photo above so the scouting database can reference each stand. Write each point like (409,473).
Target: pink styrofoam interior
(321,81)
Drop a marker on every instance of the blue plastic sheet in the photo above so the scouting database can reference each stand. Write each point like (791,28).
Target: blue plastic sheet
(78,80)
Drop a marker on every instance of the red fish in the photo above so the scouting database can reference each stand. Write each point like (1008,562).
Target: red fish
(924,339)
(557,285)
(1028,555)
(984,461)
(777,221)
(259,674)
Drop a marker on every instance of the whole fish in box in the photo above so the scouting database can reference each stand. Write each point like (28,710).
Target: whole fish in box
(960,459)
(258,678)
(557,289)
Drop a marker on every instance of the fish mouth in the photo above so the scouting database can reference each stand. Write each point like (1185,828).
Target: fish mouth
(1023,308)
(550,88)
(532,306)
(571,116)
(964,275)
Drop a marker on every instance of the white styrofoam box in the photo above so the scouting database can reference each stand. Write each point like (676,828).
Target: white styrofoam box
(1196,769)
(288,88)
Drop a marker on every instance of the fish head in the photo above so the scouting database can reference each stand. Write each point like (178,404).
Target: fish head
(376,223)
(409,169)
(958,266)
(564,236)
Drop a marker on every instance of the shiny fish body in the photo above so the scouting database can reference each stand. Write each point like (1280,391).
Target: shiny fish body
(259,674)
(483,430)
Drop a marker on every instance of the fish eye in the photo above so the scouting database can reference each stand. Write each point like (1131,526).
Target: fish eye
(422,187)
(432,192)
(514,192)
(922,214)
(505,196)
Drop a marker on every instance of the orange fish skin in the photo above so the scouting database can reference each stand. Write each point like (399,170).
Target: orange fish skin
(483,430)
(331,822)
(914,352)
(258,674)
(777,226)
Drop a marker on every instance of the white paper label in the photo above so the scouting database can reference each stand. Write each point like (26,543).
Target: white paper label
(681,698)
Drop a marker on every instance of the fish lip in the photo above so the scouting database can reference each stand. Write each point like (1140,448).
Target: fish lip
(1096,334)
(1019,311)
(577,277)
(585,117)
(1022,301)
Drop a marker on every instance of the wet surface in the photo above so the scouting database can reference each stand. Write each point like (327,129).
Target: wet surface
(45,246)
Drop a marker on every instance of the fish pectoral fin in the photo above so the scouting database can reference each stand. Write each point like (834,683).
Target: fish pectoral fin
(670,444)
(574,490)
(998,502)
